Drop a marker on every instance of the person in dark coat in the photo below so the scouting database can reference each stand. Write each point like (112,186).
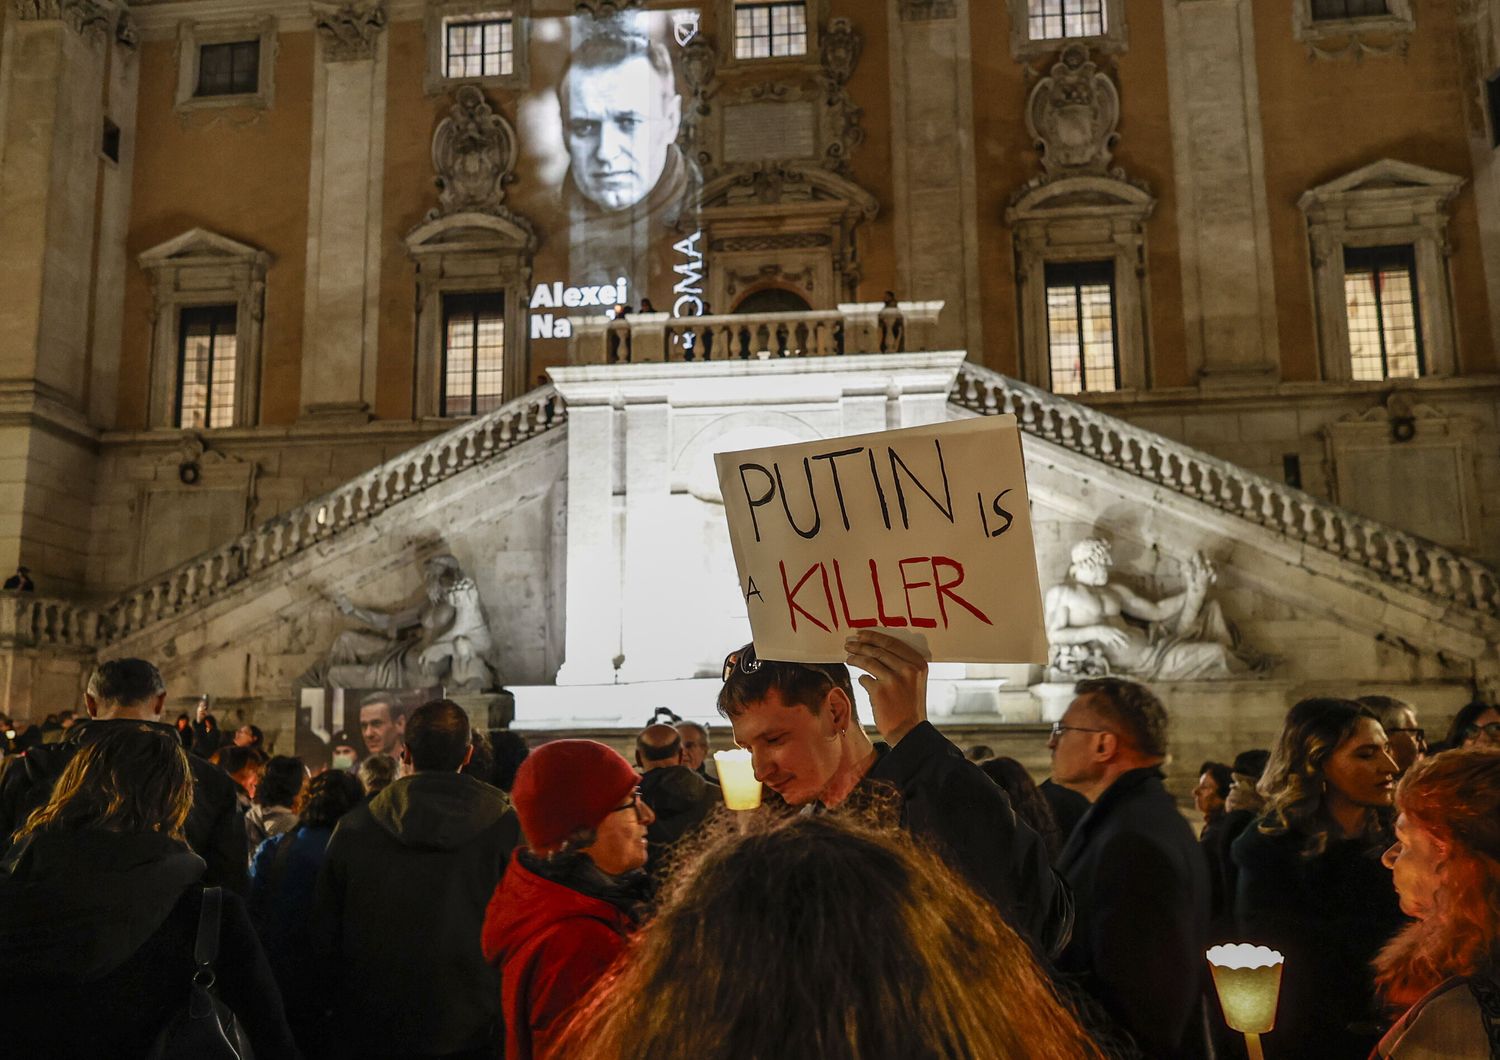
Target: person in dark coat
(1138,877)
(400,900)
(680,799)
(99,906)
(799,724)
(561,915)
(1242,806)
(283,874)
(1311,883)
(1068,807)
(121,691)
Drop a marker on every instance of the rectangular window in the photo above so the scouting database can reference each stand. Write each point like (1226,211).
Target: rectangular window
(473,352)
(1385,322)
(479,47)
(206,363)
(1336,10)
(1083,350)
(770,31)
(231,69)
(1061,19)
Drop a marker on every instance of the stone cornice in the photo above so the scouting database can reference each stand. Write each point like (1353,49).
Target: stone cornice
(88,17)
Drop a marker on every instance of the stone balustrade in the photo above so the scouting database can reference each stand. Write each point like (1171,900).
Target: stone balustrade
(203,578)
(1397,556)
(854,327)
(28,620)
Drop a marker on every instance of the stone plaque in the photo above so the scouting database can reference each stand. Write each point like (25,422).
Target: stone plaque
(756,131)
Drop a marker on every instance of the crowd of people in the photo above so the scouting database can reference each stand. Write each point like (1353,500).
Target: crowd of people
(893,896)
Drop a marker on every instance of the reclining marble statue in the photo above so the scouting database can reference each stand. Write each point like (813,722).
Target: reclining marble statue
(1182,637)
(442,639)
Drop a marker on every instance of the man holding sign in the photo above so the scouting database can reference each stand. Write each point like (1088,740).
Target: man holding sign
(799,724)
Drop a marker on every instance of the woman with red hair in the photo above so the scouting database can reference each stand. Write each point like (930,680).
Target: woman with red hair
(1444,970)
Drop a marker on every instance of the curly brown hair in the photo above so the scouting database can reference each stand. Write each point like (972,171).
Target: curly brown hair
(1455,798)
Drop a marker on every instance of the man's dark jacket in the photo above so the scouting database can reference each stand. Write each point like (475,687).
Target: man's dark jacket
(397,913)
(215,827)
(1141,884)
(949,802)
(680,799)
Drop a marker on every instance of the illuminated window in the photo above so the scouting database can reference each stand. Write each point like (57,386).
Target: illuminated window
(1330,10)
(228,69)
(1062,19)
(473,353)
(1385,322)
(207,349)
(1083,352)
(770,31)
(478,47)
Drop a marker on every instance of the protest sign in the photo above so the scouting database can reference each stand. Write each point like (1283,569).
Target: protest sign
(923,533)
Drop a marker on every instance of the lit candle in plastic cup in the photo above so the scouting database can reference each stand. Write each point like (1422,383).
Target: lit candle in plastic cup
(737,778)
(1248,979)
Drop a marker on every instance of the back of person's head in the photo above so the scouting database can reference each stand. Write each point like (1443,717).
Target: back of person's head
(122,685)
(1388,710)
(327,797)
(1454,798)
(763,947)
(437,737)
(1251,763)
(481,763)
(1293,782)
(236,760)
(1131,710)
(1026,798)
(748,680)
(376,773)
(130,779)
(565,788)
(656,744)
(980,752)
(510,751)
(281,782)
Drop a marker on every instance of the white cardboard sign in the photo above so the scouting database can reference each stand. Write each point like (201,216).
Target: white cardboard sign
(923,533)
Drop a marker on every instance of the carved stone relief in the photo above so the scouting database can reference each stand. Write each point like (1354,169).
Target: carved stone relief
(474,154)
(805,278)
(1355,38)
(1098,625)
(349,31)
(81,16)
(1072,116)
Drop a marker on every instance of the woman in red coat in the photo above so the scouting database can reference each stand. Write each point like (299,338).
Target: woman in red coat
(561,914)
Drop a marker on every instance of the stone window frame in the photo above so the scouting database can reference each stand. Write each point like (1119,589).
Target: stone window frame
(195,269)
(469,253)
(435,80)
(1397,25)
(1386,203)
(193,35)
(817,20)
(1082,219)
(1115,40)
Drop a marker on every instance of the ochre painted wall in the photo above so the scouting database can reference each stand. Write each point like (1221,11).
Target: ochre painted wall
(241,173)
(1006,161)
(870,88)
(1324,118)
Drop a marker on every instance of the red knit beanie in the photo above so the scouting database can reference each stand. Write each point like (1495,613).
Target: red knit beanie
(566,785)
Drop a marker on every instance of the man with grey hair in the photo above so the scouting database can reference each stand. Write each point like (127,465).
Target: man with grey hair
(1140,881)
(1407,739)
(132,690)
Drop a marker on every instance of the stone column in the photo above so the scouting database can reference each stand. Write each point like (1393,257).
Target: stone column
(54,58)
(1229,300)
(932,150)
(592,639)
(1479,51)
(340,324)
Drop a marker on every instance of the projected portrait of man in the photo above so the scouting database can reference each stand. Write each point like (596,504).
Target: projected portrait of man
(620,117)
(382,723)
